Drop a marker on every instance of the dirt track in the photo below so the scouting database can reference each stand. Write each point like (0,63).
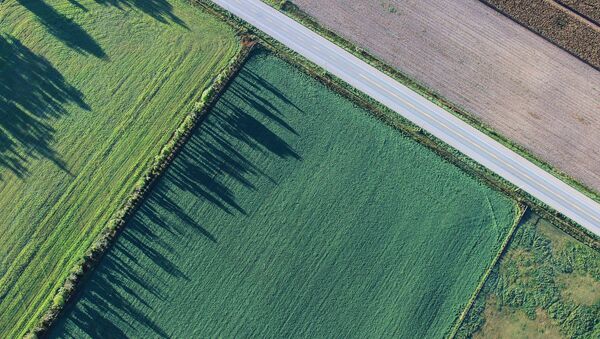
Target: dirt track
(508,77)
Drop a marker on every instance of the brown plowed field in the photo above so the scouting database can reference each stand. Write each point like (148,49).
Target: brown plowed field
(508,77)
(558,23)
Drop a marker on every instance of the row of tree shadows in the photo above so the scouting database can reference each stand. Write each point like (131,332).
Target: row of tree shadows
(210,167)
(33,92)
(74,36)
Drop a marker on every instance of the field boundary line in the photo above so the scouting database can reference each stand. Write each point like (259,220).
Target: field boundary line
(521,211)
(211,93)
(411,130)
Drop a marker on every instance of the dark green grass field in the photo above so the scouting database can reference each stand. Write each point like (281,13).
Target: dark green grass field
(293,213)
(90,90)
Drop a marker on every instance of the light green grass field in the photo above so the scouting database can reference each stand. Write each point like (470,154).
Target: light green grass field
(293,213)
(90,91)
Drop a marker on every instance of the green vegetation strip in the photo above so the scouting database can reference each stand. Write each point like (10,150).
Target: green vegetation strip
(142,187)
(292,212)
(482,282)
(95,90)
(546,285)
(567,225)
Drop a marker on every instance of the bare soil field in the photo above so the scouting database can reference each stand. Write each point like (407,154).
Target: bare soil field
(508,77)
(557,22)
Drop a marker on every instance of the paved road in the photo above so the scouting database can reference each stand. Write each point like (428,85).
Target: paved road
(420,111)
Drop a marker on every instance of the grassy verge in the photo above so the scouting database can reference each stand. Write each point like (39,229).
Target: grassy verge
(409,128)
(91,92)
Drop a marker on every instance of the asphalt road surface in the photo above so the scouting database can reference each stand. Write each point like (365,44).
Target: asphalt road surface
(420,111)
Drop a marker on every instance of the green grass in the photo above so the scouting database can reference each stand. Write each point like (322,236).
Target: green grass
(292,212)
(506,323)
(547,284)
(90,91)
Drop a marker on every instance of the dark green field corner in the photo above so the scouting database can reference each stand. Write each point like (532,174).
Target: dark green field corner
(90,90)
(292,212)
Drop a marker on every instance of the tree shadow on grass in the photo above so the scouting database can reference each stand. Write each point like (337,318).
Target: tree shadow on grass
(214,159)
(32,92)
(129,287)
(78,5)
(63,28)
(160,10)
(116,287)
(211,160)
(74,36)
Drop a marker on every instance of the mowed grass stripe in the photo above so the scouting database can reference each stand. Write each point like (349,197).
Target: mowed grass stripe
(293,213)
(106,103)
